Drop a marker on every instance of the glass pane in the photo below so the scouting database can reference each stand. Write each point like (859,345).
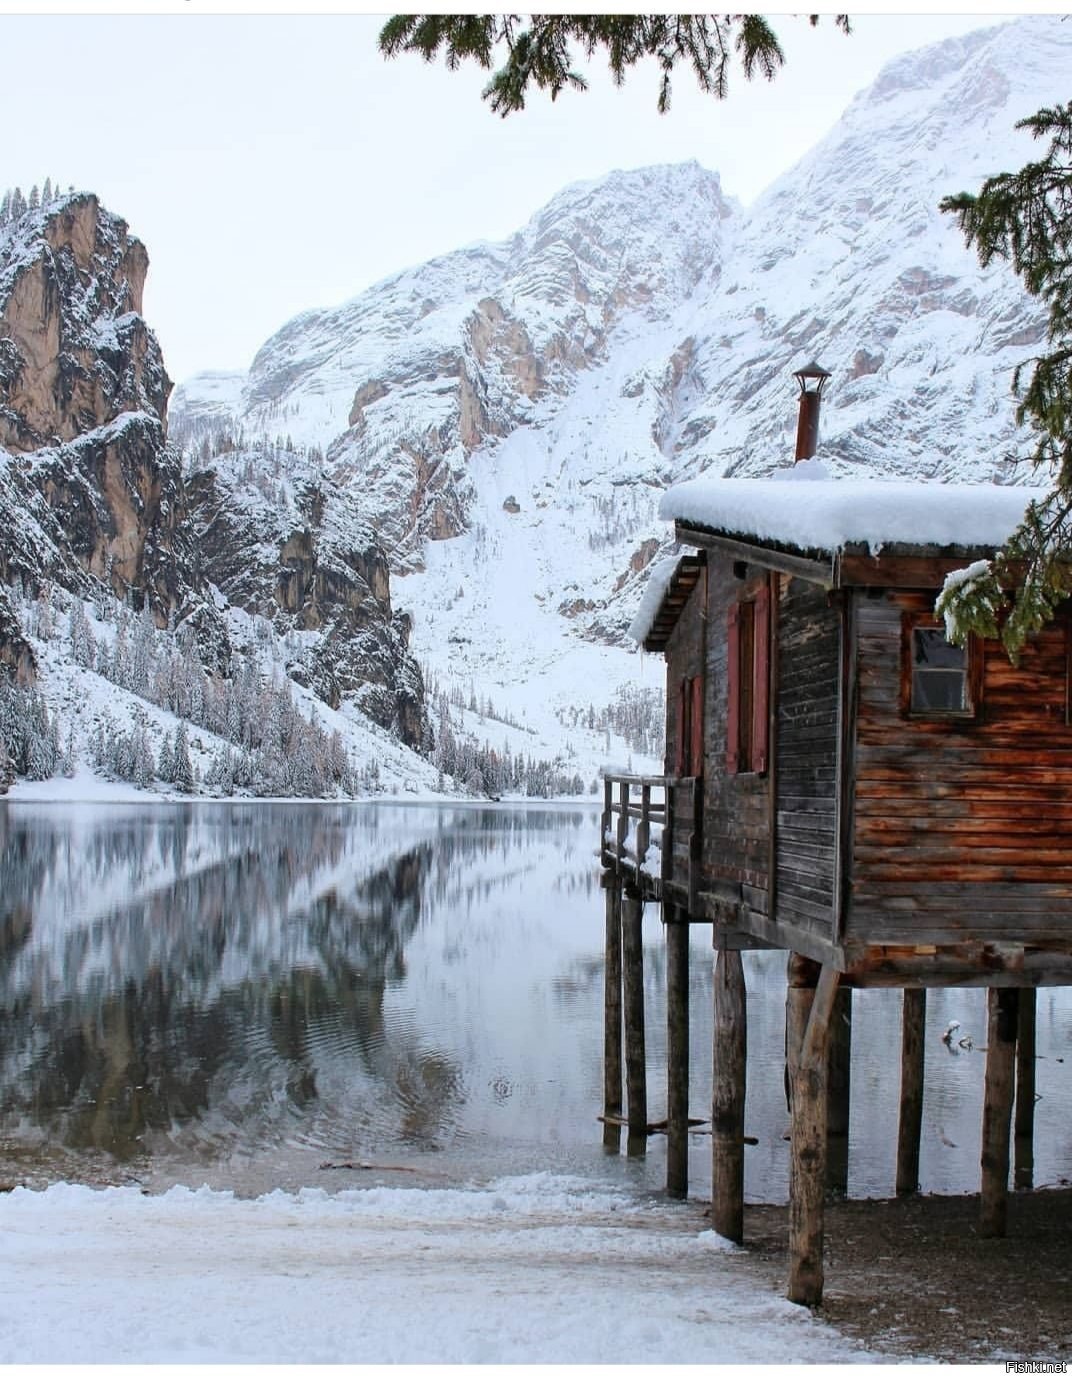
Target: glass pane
(938,690)
(930,649)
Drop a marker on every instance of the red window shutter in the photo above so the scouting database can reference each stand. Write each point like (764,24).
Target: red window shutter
(733,690)
(682,735)
(696,727)
(761,681)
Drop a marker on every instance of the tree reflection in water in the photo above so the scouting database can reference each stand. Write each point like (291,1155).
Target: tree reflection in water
(202,970)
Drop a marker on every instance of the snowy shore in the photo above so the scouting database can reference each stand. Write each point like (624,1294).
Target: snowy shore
(532,1269)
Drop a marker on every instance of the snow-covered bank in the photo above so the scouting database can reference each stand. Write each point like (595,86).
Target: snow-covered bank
(537,1269)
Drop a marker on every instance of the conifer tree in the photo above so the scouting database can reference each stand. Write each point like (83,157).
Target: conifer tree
(1025,217)
(7,769)
(35,197)
(539,49)
(46,192)
(181,765)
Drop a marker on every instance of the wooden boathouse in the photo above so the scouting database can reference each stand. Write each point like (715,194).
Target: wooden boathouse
(841,783)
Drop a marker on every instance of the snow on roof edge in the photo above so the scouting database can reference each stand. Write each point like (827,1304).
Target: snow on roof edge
(662,572)
(831,514)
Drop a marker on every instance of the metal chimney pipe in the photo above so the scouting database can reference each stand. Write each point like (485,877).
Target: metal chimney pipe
(811,379)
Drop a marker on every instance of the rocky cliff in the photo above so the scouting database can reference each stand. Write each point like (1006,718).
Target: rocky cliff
(90,494)
(94,501)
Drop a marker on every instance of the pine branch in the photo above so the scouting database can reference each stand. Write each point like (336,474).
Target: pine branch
(539,48)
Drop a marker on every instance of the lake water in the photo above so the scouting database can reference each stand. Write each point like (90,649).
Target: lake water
(246,994)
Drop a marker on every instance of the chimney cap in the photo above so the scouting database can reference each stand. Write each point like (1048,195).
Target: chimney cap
(813,370)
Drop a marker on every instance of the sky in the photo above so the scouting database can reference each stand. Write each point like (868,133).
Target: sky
(275,162)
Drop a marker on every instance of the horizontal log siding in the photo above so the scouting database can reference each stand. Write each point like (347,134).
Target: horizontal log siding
(805,755)
(963,829)
(736,832)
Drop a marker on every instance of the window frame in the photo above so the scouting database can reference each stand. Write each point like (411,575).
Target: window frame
(748,664)
(689,753)
(911,622)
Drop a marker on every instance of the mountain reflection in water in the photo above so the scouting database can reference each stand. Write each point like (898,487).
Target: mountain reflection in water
(218,974)
(242,994)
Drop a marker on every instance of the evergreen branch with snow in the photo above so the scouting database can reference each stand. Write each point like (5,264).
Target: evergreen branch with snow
(1025,217)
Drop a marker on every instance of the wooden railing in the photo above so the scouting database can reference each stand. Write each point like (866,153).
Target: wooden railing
(634,806)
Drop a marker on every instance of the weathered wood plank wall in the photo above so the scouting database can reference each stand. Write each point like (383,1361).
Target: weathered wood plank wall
(805,755)
(736,841)
(963,828)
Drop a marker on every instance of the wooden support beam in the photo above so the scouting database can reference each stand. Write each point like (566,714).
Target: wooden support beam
(997,1109)
(677,1052)
(728,1097)
(801,976)
(612,1017)
(837,1093)
(807,1164)
(633,1010)
(1024,1157)
(910,1121)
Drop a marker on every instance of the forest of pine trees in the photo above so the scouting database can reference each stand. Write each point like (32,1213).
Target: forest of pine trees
(274,749)
(13,204)
(638,715)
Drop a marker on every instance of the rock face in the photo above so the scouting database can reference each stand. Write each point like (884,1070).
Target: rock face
(92,493)
(286,550)
(76,352)
(400,387)
(89,492)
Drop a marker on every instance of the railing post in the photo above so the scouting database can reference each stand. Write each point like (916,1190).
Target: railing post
(604,824)
(643,834)
(623,821)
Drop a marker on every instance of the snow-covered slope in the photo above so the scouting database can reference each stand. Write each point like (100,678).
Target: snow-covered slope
(507,417)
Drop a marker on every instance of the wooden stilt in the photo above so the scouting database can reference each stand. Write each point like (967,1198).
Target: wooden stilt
(837,1095)
(677,1052)
(910,1122)
(802,974)
(1024,1164)
(997,1109)
(807,1165)
(727,1108)
(633,1008)
(612,1016)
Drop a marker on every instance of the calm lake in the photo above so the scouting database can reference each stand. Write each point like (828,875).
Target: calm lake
(250,995)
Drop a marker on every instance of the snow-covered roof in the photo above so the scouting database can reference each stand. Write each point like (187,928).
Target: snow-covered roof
(659,577)
(830,514)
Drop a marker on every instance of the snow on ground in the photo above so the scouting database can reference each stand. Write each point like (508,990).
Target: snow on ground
(537,1269)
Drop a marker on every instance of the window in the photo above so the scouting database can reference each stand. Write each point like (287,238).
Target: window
(748,683)
(939,680)
(689,758)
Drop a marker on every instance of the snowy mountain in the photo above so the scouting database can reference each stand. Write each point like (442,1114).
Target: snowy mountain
(460,469)
(130,605)
(507,416)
